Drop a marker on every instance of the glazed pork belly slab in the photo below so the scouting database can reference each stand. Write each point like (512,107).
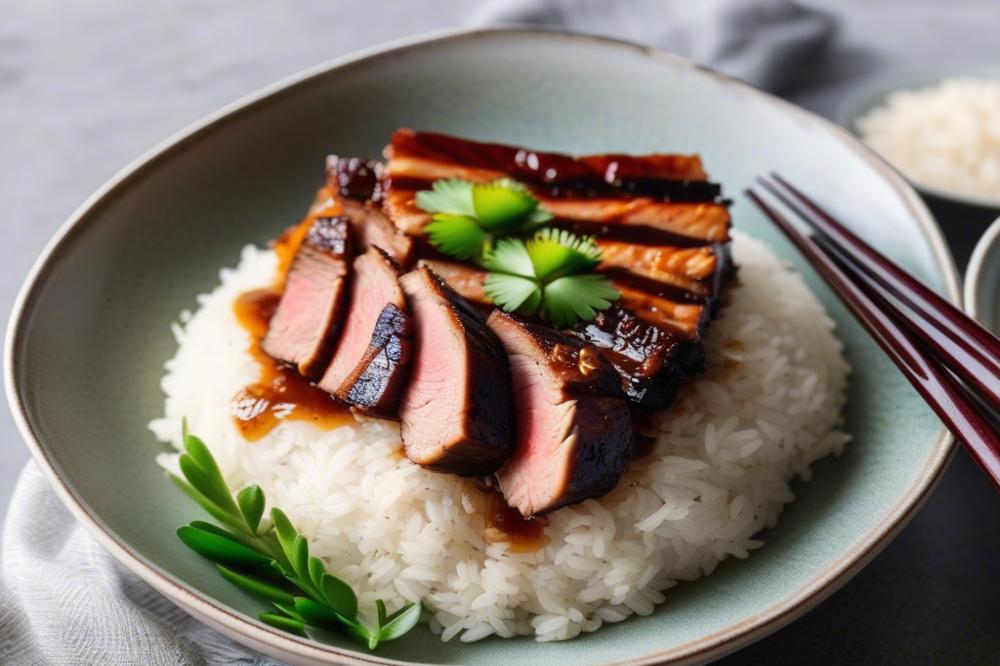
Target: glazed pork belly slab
(662,228)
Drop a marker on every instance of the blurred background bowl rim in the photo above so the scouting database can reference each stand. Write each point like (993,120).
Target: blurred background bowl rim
(873,91)
(252,632)
(986,254)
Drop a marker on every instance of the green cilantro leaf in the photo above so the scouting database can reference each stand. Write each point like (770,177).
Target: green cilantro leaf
(549,274)
(513,293)
(467,217)
(572,298)
(510,256)
(503,204)
(452,196)
(556,252)
(457,235)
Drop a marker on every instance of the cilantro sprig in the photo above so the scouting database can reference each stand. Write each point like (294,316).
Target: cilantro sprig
(270,559)
(550,274)
(467,217)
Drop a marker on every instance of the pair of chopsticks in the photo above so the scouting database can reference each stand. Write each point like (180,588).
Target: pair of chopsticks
(952,361)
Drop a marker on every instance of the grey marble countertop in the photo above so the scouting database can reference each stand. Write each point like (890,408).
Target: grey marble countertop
(85,88)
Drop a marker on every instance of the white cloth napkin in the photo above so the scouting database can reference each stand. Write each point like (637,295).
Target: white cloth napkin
(64,600)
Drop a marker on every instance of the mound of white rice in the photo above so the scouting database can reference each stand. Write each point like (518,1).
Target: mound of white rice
(767,407)
(945,136)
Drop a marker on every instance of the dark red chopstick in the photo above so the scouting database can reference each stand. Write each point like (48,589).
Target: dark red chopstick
(959,358)
(970,350)
(938,388)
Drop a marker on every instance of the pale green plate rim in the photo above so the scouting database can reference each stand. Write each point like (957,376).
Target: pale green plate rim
(256,634)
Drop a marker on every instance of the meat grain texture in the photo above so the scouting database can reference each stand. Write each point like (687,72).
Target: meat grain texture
(307,323)
(573,429)
(456,412)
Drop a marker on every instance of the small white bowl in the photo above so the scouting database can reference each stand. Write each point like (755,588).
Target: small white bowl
(873,92)
(982,279)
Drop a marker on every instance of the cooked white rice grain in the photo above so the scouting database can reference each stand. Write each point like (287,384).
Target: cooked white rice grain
(946,136)
(768,406)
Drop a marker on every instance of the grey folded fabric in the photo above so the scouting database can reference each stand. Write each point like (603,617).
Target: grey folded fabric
(768,43)
(65,600)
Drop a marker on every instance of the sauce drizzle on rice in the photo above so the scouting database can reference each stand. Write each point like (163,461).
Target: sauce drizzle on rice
(280,392)
(505,524)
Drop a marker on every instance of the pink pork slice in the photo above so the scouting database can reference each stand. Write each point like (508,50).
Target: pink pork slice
(456,412)
(375,286)
(573,430)
(304,328)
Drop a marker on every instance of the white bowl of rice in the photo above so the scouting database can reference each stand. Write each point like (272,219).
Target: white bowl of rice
(939,126)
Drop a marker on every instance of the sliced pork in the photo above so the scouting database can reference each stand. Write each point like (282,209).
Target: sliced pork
(306,323)
(370,227)
(573,429)
(650,360)
(374,339)
(650,341)
(376,385)
(456,412)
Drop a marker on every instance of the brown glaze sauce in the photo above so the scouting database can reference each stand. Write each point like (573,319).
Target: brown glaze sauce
(504,524)
(643,446)
(280,393)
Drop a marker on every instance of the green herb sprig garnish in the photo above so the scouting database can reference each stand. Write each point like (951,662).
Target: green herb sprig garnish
(550,274)
(270,559)
(467,217)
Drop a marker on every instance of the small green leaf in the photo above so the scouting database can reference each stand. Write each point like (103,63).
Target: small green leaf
(457,235)
(510,256)
(251,503)
(184,429)
(288,609)
(502,205)
(538,217)
(319,614)
(208,478)
(255,586)
(207,504)
(299,557)
(206,485)
(513,293)
(556,252)
(222,532)
(452,196)
(221,549)
(201,454)
(316,572)
(340,596)
(380,611)
(569,299)
(285,531)
(284,623)
(400,622)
